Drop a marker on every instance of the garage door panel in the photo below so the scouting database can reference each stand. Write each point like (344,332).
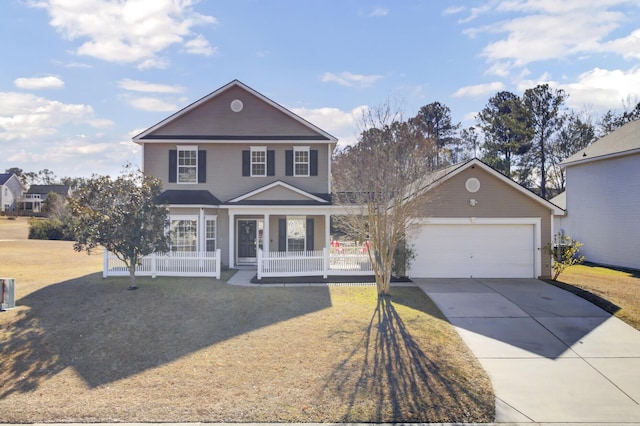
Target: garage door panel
(482,251)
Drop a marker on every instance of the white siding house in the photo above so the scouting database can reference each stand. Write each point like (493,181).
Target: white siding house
(603,198)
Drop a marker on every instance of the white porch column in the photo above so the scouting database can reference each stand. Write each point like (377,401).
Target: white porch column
(265,234)
(202,232)
(232,240)
(327,230)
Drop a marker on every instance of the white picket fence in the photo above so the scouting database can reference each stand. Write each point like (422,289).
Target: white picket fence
(312,263)
(172,264)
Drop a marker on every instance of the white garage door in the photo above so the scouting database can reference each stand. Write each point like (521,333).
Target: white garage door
(473,250)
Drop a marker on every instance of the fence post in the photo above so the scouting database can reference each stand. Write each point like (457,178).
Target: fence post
(259,264)
(325,262)
(218,256)
(105,264)
(153,264)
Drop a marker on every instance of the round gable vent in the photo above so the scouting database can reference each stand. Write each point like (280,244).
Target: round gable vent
(236,105)
(472,185)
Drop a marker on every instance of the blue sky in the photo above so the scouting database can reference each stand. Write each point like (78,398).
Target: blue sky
(79,78)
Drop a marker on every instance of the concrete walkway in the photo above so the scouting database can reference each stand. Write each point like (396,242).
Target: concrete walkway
(552,356)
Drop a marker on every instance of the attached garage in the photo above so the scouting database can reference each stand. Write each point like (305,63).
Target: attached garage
(490,248)
(479,223)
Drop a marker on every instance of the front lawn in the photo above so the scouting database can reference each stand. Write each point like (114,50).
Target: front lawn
(620,288)
(80,348)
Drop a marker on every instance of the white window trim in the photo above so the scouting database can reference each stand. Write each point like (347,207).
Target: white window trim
(206,219)
(308,163)
(304,238)
(186,148)
(251,163)
(190,218)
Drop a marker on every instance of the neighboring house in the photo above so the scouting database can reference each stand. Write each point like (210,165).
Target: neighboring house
(479,223)
(241,172)
(11,190)
(37,194)
(602,198)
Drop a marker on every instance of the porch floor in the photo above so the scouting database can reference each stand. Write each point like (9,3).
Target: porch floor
(247,277)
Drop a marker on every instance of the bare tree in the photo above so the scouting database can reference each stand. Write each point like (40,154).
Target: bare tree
(379,182)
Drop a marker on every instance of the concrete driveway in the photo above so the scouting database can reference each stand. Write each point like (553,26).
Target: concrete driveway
(552,356)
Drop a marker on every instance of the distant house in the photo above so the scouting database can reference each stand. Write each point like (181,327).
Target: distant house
(602,199)
(37,194)
(11,190)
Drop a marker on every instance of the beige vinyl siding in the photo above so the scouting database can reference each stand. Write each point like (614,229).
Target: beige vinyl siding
(215,117)
(224,169)
(495,199)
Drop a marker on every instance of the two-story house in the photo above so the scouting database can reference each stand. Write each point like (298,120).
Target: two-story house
(37,195)
(241,172)
(11,190)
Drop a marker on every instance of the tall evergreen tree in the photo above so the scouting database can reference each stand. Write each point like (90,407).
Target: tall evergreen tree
(503,124)
(436,125)
(543,106)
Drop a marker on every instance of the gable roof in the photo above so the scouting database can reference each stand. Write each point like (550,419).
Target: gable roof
(622,141)
(447,173)
(220,117)
(302,197)
(4,177)
(46,189)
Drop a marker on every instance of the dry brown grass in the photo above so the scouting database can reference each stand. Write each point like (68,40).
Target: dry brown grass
(621,288)
(80,348)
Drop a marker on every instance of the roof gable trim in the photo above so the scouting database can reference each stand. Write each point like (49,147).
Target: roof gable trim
(276,184)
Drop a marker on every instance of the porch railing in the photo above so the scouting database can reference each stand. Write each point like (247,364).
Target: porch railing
(312,263)
(172,264)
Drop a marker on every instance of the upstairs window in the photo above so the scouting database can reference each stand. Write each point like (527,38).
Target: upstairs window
(188,164)
(258,161)
(301,161)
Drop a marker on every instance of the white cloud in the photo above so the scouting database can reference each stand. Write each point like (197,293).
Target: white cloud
(200,46)
(344,125)
(549,29)
(27,116)
(152,104)
(479,89)
(453,10)
(128,31)
(602,89)
(34,83)
(144,86)
(349,79)
(379,11)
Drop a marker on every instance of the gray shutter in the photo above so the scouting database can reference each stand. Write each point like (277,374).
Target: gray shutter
(173,165)
(202,166)
(313,162)
(282,234)
(246,163)
(271,162)
(310,241)
(289,162)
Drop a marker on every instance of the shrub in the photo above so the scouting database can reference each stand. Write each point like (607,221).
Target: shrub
(49,229)
(564,253)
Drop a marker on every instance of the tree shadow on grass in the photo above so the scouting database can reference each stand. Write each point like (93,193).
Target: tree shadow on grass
(106,333)
(391,371)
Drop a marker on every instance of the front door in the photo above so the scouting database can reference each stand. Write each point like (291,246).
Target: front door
(247,241)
